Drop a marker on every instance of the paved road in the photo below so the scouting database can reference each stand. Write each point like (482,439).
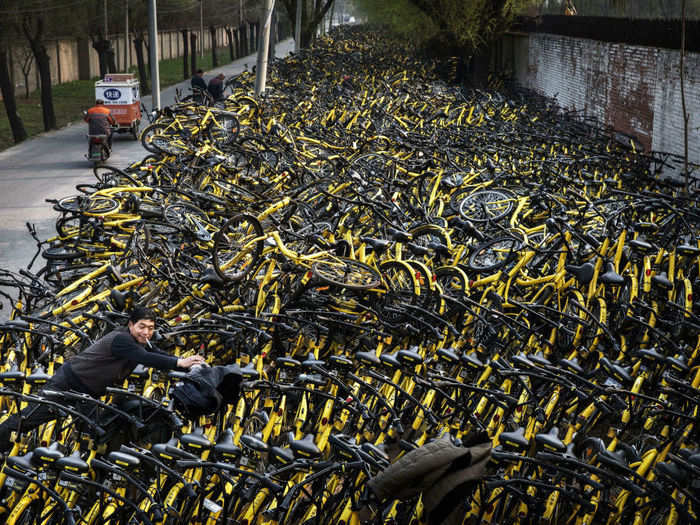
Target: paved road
(50,165)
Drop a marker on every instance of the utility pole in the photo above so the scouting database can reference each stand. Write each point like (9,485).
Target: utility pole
(201,28)
(127,45)
(297,28)
(153,53)
(683,106)
(261,69)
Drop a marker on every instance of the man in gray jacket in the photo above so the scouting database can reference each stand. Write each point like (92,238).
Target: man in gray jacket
(107,362)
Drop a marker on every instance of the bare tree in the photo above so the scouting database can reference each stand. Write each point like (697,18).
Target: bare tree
(33,27)
(27,61)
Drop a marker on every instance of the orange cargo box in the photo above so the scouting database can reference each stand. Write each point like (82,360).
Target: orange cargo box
(125,114)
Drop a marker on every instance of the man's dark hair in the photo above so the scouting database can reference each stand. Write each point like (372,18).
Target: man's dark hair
(141,313)
(200,72)
(99,101)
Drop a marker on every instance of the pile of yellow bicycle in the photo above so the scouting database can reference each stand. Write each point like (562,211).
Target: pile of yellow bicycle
(390,259)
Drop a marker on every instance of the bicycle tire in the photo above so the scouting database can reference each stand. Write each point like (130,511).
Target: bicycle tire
(176,215)
(493,254)
(61,253)
(347,273)
(147,136)
(400,280)
(111,176)
(94,205)
(487,205)
(235,253)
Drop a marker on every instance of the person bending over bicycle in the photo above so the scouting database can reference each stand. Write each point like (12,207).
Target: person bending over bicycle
(106,362)
(100,121)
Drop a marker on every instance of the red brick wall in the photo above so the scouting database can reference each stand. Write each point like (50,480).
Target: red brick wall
(634,89)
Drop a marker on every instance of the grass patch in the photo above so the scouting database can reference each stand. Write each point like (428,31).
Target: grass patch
(71,98)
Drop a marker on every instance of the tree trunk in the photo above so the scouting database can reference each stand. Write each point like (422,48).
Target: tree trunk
(214,57)
(229,36)
(111,59)
(101,46)
(193,52)
(143,77)
(7,89)
(185,57)
(245,40)
(34,36)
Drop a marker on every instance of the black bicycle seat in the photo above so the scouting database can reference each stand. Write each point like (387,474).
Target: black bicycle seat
(611,277)
(514,440)
(253,443)
(662,281)
(305,447)
(583,273)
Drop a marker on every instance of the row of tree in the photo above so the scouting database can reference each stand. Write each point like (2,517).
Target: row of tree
(31,24)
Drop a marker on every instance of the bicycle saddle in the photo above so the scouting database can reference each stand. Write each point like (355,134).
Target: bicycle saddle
(572,366)
(311,361)
(398,235)
(390,360)
(550,441)
(688,250)
(678,363)
(409,357)
(38,377)
(305,447)
(21,463)
(418,249)
(225,448)
(340,363)
(72,463)
(281,456)
(662,281)
(641,246)
(514,440)
(366,358)
(195,441)
(45,456)
(123,460)
(313,379)
(248,372)
(447,355)
(254,442)
(140,372)
(616,459)
(378,245)
(472,361)
(539,359)
(287,362)
(651,354)
(618,372)
(611,277)
(583,273)
(118,298)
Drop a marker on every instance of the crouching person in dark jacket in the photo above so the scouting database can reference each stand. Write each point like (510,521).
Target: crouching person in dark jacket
(107,362)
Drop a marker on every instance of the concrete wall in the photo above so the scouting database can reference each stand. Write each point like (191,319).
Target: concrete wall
(66,56)
(634,89)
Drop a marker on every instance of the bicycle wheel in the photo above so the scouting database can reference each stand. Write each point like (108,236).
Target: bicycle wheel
(493,254)
(110,176)
(88,205)
(487,205)
(347,273)
(224,129)
(237,247)
(184,216)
